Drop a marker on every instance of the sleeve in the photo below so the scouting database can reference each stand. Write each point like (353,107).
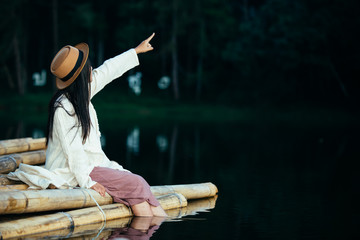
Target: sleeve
(112,69)
(71,144)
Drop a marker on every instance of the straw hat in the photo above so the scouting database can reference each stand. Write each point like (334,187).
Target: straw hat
(68,63)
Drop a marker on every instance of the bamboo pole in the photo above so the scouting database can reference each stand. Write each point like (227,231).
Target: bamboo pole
(61,234)
(76,218)
(84,231)
(193,207)
(200,205)
(190,191)
(56,199)
(50,199)
(91,230)
(13,187)
(5,181)
(9,163)
(10,184)
(21,145)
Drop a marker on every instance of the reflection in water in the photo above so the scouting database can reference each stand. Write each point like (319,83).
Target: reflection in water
(103,140)
(162,143)
(133,141)
(193,208)
(139,228)
(14,131)
(38,133)
(197,165)
(277,181)
(174,138)
(133,148)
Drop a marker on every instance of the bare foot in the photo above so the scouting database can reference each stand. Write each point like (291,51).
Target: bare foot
(158,211)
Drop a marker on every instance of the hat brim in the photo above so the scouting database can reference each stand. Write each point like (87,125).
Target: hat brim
(84,48)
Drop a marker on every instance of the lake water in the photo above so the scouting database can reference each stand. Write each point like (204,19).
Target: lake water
(275,180)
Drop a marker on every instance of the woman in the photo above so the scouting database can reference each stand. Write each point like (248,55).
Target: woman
(74,156)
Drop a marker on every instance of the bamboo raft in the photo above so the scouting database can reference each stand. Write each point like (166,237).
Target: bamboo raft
(28,201)
(21,145)
(89,221)
(16,200)
(23,150)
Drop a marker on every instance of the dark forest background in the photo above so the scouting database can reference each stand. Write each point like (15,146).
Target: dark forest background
(233,52)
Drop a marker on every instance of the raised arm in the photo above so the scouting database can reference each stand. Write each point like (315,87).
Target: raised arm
(117,66)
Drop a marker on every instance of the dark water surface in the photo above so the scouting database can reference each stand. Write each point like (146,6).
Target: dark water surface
(275,180)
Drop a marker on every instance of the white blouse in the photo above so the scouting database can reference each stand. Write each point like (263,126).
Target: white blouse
(68,161)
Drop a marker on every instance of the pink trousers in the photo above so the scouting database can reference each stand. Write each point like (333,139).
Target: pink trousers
(125,187)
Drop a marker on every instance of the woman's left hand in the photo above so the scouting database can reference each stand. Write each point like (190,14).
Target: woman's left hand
(145,45)
(99,188)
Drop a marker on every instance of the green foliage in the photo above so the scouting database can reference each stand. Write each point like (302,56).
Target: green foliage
(235,52)
(9,25)
(283,49)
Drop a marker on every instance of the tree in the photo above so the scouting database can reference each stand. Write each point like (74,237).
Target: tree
(12,41)
(174,50)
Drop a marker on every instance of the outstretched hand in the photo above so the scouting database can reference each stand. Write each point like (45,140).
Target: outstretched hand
(145,45)
(99,188)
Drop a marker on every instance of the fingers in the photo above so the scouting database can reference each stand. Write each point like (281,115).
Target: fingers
(151,37)
(102,192)
(100,189)
(145,45)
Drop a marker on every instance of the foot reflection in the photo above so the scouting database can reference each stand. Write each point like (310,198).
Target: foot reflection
(145,227)
(139,228)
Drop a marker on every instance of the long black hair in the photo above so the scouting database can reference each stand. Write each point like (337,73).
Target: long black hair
(78,93)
